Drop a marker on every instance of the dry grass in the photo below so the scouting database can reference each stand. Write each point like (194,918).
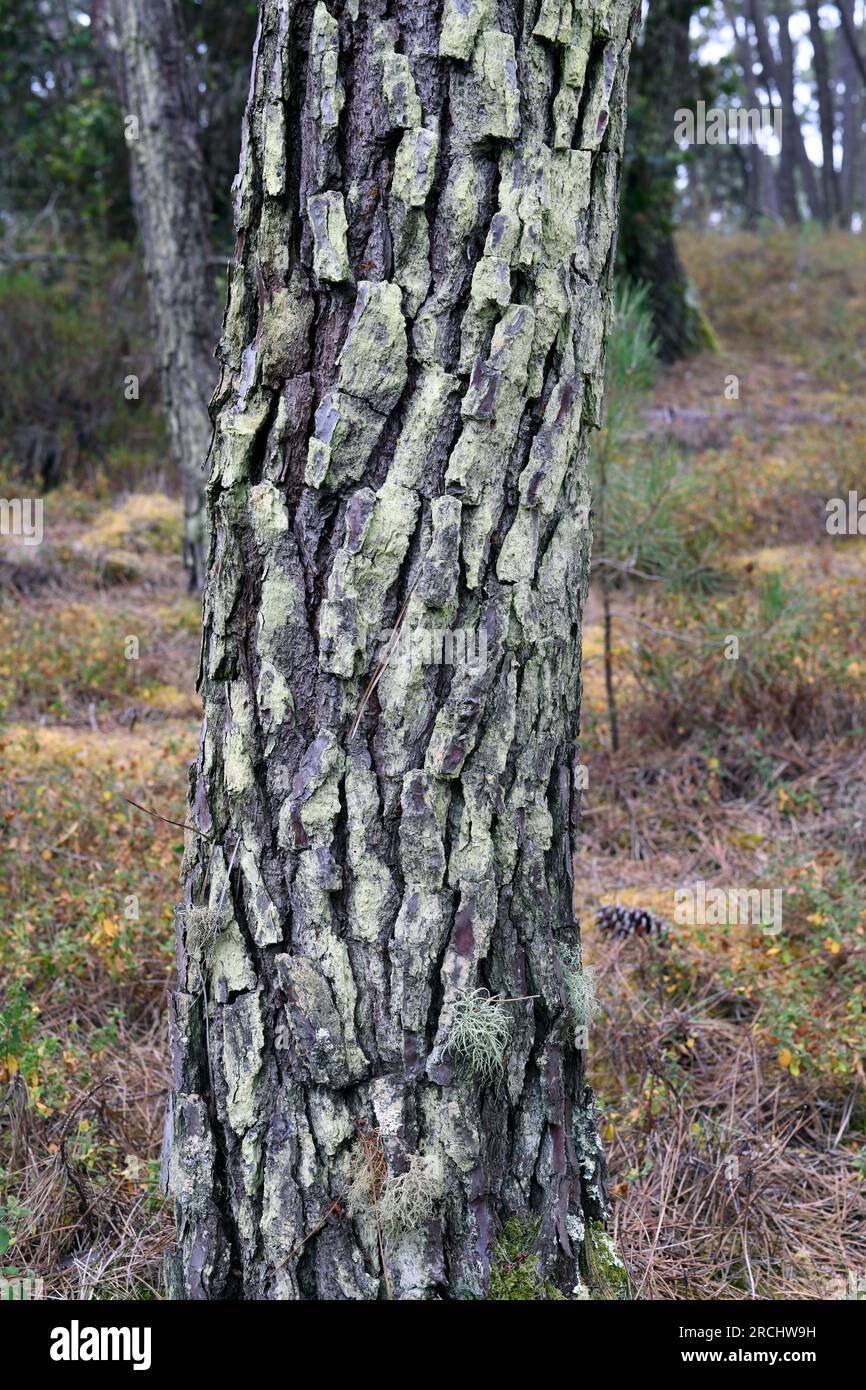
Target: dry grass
(730,1065)
(94,1224)
(730,1180)
(83,1066)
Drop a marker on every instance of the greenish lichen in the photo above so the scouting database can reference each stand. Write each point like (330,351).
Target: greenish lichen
(243,1045)
(327,216)
(461,21)
(487,99)
(326,91)
(579,989)
(431,404)
(372,361)
(408,1200)
(514,1273)
(414,171)
(459,209)
(401,98)
(379,526)
(479,1034)
(606,1274)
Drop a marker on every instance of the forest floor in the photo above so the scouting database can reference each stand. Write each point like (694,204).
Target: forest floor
(728,1064)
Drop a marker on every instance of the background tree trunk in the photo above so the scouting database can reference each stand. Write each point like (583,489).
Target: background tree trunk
(826,114)
(412,356)
(851,116)
(763,198)
(146,47)
(648,250)
(773,81)
(792,132)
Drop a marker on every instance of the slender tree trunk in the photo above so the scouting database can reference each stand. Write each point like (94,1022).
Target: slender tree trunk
(850,192)
(763,193)
(412,356)
(648,249)
(147,49)
(826,114)
(852,38)
(792,133)
(787,186)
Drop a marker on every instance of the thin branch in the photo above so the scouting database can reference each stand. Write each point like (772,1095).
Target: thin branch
(181,824)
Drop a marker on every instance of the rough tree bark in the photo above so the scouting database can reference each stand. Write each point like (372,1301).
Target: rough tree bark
(412,358)
(146,47)
(648,250)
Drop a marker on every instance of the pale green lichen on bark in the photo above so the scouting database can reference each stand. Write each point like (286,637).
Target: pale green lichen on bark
(398,84)
(328,92)
(372,373)
(328,220)
(363,573)
(487,99)
(400,868)
(461,22)
(243,1044)
(414,171)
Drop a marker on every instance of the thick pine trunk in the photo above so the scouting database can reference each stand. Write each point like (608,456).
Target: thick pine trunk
(146,47)
(412,358)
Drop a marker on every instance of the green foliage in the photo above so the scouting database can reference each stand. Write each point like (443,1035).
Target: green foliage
(66,658)
(220,43)
(645,496)
(63,146)
(63,408)
(632,357)
(64,150)
(659,83)
(814,1017)
(796,652)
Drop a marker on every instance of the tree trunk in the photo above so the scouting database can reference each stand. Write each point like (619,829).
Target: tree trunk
(846,54)
(792,132)
(147,50)
(787,186)
(763,198)
(648,251)
(826,114)
(852,39)
(412,356)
